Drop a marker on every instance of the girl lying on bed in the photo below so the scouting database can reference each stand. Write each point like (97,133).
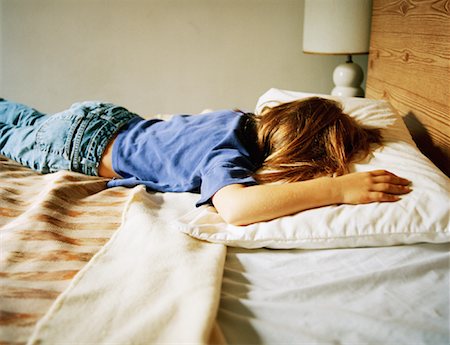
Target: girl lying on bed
(293,157)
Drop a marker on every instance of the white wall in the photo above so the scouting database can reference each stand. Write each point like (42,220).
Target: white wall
(156,56)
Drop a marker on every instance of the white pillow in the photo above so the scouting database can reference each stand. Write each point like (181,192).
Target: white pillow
(421,216)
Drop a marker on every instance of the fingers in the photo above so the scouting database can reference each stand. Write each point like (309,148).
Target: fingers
(372,186)
(380,176)
(382,197)
(387,186)
(390,188)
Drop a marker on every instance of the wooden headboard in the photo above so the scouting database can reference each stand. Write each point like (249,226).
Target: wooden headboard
(409,64)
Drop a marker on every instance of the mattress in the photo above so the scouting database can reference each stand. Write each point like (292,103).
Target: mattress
(381,295)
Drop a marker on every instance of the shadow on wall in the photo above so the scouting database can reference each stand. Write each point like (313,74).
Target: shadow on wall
(425,143)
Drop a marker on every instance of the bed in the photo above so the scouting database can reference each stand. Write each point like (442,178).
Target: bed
(84,264)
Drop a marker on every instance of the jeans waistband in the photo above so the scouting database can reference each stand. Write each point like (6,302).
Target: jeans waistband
(96,126)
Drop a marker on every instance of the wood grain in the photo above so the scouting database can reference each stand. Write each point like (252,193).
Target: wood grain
(409,64)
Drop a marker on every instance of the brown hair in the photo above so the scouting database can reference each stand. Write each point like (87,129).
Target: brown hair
(309,138)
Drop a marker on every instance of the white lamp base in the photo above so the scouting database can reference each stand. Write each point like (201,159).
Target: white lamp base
(348,78)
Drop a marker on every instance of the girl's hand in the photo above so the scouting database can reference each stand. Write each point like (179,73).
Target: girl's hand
(372,186)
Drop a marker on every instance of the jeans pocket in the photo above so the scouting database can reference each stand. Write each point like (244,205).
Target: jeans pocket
(53,134)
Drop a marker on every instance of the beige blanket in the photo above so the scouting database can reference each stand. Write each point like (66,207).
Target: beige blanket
(149,284)
(61,268)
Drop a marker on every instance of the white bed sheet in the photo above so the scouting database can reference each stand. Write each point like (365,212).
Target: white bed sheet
(382,295)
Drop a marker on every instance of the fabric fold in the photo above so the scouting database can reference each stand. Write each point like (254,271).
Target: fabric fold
(149,284)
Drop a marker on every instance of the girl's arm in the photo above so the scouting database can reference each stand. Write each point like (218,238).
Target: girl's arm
(241,205)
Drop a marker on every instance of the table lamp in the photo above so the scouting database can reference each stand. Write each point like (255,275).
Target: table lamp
(339,27)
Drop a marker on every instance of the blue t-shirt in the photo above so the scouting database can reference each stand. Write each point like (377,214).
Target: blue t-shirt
(200,153)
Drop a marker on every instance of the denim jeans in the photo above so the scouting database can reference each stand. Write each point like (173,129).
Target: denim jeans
(73,139)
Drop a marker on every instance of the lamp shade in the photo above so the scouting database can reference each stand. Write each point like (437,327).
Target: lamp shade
(337,26)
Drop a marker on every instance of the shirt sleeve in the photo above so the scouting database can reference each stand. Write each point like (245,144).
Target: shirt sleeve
(123,182)
(222,175)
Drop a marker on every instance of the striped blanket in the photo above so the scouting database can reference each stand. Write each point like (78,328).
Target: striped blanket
(50,227)
(53,229)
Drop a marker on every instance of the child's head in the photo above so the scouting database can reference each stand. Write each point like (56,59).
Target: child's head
(309,138)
